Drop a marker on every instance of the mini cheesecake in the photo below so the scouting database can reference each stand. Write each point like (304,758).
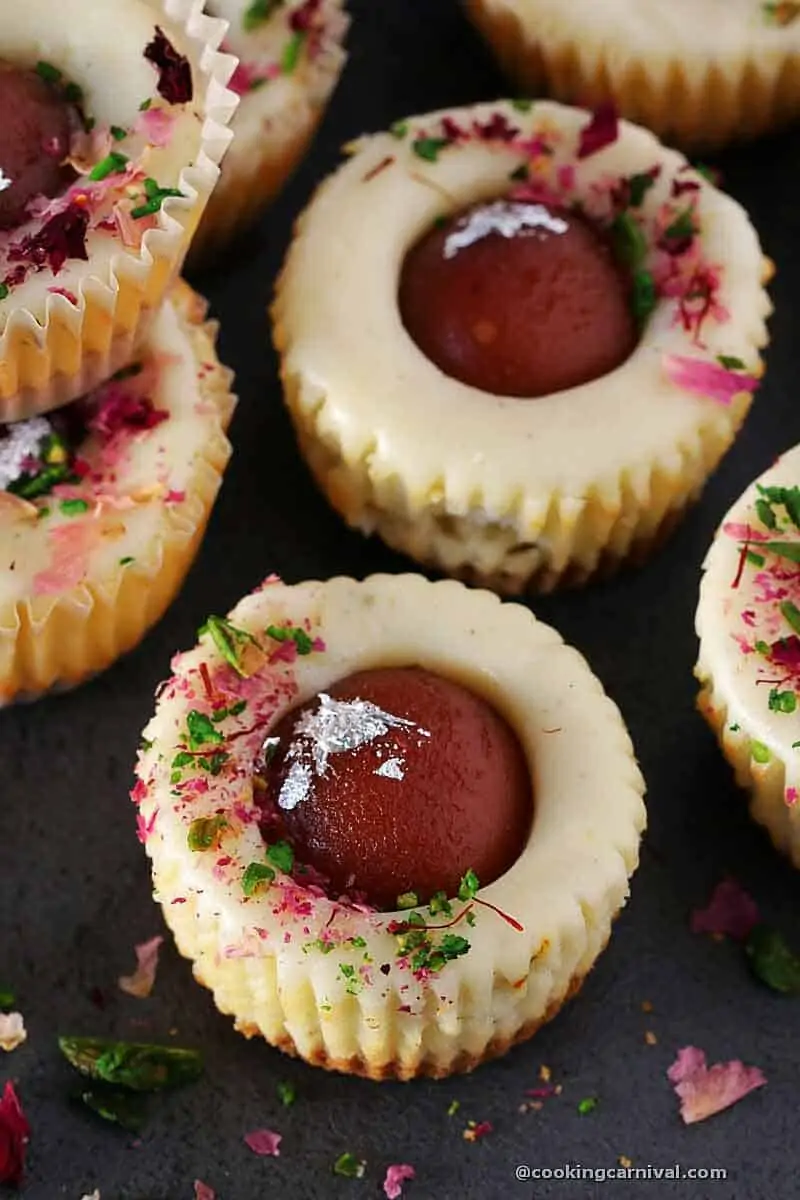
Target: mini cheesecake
(114,128)
(390,822)
(748,622)
(290,59)
(516,338)
(699,73)
(103,505)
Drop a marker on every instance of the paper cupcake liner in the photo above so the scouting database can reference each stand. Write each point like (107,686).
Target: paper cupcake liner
(512,494)
(54,637)
(749,656)
(263,956)
(63,331)
(273,127)
(697,79)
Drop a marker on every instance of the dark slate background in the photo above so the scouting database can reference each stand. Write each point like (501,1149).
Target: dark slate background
(74,885)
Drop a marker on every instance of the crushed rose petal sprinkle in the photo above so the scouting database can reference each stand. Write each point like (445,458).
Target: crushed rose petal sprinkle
(14,1136)
(174,69)
(140,983)
(203,1192)
(708,379)
(662,245)
(396,1175)
(601,131)
(476,1130)
(264,1142)
(703,1090)
(769,562)
(731,911)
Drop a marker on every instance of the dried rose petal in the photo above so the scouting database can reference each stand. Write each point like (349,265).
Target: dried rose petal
(731,910)
(203,1192)
(704,1090)
(302,19)
(14,1134)
(174,70)
(708,379)
(156,125)
(264,1142)
(497,128)
(476,1130)
(786,652)
(140,984)
(12,1031)
(63,236)
(601,131)
(396,1175)
(118,407)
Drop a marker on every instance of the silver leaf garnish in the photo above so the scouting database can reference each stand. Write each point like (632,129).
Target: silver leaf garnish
(391,769)
(295,786)
(21,444)
(334,727)
(507,220)
(339,725)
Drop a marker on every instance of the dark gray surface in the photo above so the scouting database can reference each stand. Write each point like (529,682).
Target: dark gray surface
(74,887)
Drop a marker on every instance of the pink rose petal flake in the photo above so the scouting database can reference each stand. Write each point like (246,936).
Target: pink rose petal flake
(203,1192)
(703,1090)
(396,1176)
(156,124)
(264,1142)
(708,379)
(140,983)
(601,131)
(730,911)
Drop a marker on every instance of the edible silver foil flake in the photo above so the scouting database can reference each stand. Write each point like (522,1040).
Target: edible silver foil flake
(21,442)
(296,786)
(506,219)
(339,725)
(334,727)
(5,182)
(391,769)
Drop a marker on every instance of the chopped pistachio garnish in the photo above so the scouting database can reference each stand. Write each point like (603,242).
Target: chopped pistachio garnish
(204,833)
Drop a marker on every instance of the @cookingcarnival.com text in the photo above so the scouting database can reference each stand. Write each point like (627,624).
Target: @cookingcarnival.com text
(573,1171)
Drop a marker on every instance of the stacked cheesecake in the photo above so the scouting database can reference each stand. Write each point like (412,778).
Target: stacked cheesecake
(112,401)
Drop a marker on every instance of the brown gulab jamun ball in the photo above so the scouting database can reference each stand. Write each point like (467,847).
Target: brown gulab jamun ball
(518,299)
(35,135)
(443,786)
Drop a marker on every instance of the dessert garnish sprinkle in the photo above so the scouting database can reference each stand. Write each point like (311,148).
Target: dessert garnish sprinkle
(140,983)
(15,1136)
(174,69)
(704,1091)
(349,1166)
